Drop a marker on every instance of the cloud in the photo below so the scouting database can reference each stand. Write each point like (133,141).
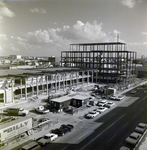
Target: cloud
(54,40)
(144,33)
(5,11)
(128,3)
(37,10)
(38,37)
(3,37)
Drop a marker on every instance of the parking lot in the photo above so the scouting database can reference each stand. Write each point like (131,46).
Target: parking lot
(57,119)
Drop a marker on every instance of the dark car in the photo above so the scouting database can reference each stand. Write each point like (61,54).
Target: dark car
(68,126)
(64,129)
(59,132)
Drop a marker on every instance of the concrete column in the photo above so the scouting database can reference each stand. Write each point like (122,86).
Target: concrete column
(96,76)
(55,83)
(47,85)
(42,84)
(82,77)
(25,89)
(32,86)
(70,79)
(77,78)
(4,96)
(12,90)
(37,86)
(87,76)
(92,76)
(63,76)
(20,88)
(59,84)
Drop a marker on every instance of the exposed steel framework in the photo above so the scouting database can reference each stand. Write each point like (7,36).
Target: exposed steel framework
(112,62)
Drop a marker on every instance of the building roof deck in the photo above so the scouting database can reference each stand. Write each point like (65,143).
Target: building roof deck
(107,43)
(67,98)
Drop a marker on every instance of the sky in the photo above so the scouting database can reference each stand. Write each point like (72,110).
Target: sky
(47,27)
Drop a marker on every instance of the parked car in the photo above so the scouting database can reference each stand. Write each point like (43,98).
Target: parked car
(69,126)
(41,109)
(59,132)
(101,104)
(109,104)
(124,148)
(141,128)
(47,138)
(113,97)
(101,109)
(133,92)
(31,145)
(92,114)
(121,97)
(43,121)
(103,101)
(133,138)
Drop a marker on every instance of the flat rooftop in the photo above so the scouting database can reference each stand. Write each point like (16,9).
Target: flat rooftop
(24,72)
(67,98)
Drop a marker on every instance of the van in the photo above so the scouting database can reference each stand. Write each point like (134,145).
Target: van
(31,146)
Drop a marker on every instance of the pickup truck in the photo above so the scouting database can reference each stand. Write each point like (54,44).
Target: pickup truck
(47,138)
(16,111)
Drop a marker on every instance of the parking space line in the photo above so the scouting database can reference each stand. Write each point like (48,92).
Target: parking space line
(134,116)
(64,148)
(141,109)
(125,125)
(112,137)
(112,115)
(82,135)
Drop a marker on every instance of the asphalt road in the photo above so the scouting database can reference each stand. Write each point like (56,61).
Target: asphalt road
(109,131)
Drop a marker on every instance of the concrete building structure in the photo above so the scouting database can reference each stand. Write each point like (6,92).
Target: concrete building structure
(23,84)
(112,62)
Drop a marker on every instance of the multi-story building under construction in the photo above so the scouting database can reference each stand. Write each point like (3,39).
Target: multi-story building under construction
(111,62)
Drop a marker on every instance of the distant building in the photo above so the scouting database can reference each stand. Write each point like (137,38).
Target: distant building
(14,57)
(141,71)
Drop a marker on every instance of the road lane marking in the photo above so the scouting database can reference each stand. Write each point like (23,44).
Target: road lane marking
(112,115)
(145,97)
(82,135)
(64,148)
(134,116)
(141,109)
(112,137)
(125,125)
(101,133)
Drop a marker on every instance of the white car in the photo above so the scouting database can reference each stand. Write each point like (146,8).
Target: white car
(102,103)
(110,104)
(41,109)
(121,97)
(47,138)
(101,109)
(92,114)
(113,97)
